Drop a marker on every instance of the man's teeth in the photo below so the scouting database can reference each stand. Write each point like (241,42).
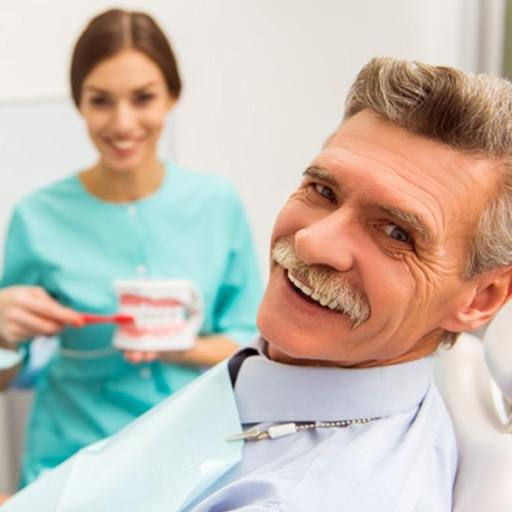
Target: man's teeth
(306,290)
(301,286)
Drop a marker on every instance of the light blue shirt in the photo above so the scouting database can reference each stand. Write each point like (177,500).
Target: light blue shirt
(404,461)
(74,246)
(176,457)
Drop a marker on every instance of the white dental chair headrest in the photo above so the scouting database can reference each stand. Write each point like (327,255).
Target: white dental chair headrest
(484,445)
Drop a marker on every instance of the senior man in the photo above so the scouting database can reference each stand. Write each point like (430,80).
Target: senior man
(397,239)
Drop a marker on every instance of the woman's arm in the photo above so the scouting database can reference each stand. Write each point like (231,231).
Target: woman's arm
(25,312)
(28,311)
(208,351)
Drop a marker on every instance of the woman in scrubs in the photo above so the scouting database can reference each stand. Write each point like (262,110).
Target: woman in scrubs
(127,216)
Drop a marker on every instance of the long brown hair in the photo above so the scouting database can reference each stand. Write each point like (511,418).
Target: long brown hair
(115,30)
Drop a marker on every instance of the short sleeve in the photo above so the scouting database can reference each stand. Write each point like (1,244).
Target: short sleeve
(240,292)
(19,266)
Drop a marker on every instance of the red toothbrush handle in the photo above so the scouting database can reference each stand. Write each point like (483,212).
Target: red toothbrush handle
(107,319)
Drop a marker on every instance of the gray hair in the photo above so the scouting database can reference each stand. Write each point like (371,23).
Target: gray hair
(469,113)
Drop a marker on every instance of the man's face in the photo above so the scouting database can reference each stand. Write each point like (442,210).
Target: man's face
(378,231)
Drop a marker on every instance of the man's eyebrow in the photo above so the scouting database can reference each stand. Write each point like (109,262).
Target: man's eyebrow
(319,173)
(412,220)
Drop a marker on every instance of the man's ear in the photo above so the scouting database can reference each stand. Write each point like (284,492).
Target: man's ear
(492,290)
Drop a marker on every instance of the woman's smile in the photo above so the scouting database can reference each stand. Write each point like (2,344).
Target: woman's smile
(124,148)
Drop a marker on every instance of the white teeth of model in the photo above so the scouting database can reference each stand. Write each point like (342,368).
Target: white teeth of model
(128,310)
(315,296)
(150,316)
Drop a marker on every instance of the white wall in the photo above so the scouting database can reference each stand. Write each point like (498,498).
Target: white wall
(264,81)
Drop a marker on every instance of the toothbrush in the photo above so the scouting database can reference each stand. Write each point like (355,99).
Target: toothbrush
(118,318)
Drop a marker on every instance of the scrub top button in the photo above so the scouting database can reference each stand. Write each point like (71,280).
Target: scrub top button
(145,373)
(132,210)
(141,270)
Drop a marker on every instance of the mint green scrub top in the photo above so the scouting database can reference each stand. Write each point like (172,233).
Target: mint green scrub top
(74,245)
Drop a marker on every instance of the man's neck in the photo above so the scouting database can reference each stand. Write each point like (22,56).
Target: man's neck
(425,347)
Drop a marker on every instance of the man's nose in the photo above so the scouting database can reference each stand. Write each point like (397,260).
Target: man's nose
(328,241)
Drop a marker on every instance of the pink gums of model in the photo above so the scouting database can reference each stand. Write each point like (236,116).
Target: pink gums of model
(167,315)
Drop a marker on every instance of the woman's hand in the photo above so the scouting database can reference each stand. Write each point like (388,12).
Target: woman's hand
(27,311)
(207,351)
(138,356)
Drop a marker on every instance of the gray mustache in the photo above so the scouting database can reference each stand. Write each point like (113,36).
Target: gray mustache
(325,282)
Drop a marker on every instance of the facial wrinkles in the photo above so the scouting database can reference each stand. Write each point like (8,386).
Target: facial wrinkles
(404,168)
(430,203)
(325,282)
(418,268)
(440,196)
(406,184)
(452,225)
(429,281)
(426,279)
(392,162)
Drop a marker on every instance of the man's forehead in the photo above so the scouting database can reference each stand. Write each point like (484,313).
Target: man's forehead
(368,127)
(397,147)
(376,141)
(406,215)
(423,182)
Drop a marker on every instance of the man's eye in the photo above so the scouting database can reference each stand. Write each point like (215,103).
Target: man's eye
(324,192)
(398,234)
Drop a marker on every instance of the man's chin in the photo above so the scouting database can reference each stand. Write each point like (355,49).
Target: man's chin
(301,354)
(288,343)
(299,330)
(272,330)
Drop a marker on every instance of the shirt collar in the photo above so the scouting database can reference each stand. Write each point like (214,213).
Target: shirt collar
(266,390)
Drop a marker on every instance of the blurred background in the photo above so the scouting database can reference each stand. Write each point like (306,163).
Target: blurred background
(264,84)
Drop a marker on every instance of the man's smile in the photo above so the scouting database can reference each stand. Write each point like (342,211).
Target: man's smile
(301,302)
(313,295)
(320,285)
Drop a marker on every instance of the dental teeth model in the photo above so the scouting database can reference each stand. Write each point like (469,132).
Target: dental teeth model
(167,313)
